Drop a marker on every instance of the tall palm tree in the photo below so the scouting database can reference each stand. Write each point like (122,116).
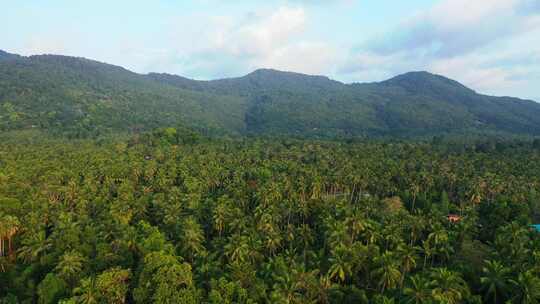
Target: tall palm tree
(448,286)
(325,285)
(9,226)
(527,288)
(273,242)
(427,251)
(3,232)
(495,281)
(70,266)
(88,292)
(220,216)
(192,238)
(418,290)
(4,264)
(341,265)
(408,257)
(286,289)
(387,270)
(34,245)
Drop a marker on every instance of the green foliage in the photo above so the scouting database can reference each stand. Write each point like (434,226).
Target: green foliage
(51,289)
(155,219)
(112,285)
(164,279)
(81,98)
(70,266)
(226,292)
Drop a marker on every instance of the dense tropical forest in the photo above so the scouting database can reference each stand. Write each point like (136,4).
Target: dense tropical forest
(172,216)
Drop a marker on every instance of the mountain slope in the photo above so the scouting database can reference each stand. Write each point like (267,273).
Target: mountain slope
(443,104)
(80,95)
(85,97)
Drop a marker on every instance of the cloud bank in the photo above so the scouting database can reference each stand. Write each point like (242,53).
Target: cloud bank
(491,45)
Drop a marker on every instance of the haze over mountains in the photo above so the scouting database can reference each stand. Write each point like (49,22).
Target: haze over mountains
(85,97)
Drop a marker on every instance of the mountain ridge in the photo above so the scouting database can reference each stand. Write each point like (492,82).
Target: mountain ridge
(268,71)
(84,96)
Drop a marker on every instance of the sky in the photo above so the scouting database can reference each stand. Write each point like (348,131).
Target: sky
(492,46)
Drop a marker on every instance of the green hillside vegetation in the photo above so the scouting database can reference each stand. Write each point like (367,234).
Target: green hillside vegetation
(81,98)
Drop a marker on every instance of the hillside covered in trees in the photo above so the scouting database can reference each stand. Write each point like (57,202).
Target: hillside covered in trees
(81,98)
(173,217)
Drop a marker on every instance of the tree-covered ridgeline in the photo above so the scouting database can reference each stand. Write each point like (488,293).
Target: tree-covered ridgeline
(82,98)
(174,218)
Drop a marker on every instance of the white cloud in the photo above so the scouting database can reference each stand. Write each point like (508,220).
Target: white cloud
(456,27)
(259,34)
(228,46)
(304,57)
(326,2)
(492,46)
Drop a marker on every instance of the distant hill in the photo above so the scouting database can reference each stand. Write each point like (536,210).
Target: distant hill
(85,98)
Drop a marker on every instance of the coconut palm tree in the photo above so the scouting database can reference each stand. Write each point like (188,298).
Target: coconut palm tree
(220,216)
(418,290)
(87,293)
(408,257)
(34,245)
(495,281)
(341,264)
(9,226)
(527,288)
(448,286)
(387,270)
(192,238)
(70,266)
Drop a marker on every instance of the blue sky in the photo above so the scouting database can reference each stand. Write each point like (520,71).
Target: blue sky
(492,46)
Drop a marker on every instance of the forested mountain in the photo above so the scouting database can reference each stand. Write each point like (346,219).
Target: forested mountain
(83,97)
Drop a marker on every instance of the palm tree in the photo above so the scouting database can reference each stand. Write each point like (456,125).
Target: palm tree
(427,251)
(439,241)
(9,226)
(325,285)
(241,248)
(357,225)
(272,242)
(417,225)
(387,271)
(527,288)
(380,299)
(448,286)
(88,292)
(70,266)
(414,188)
(306,237)
(418,290)
(220,216)
(495,281)
(33,246)
(408,256)
(286,289)
(192,238)
(3,232)
(4,264)
(341,264)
